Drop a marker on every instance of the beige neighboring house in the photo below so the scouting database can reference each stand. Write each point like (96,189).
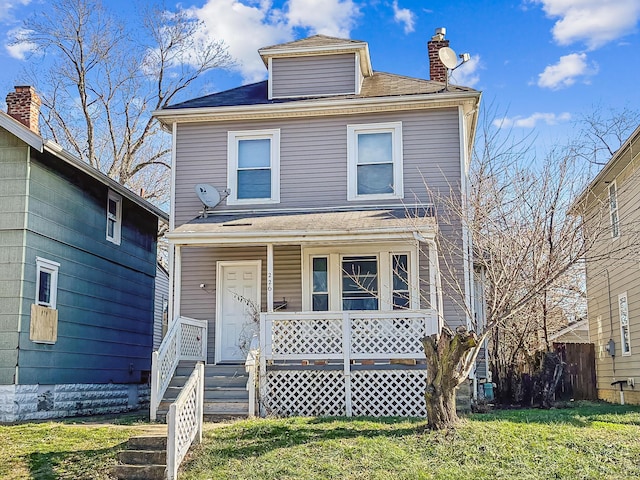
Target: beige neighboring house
(611,205)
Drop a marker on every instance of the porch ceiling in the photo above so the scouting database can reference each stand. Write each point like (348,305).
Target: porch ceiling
(282,227)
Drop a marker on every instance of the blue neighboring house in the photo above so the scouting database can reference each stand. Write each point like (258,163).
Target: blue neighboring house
(77,279)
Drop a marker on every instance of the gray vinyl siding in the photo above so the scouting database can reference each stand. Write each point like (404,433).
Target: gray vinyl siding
(161,296)
(616,274)
(105,291)
(314,75)
(13,206)
(313,159)
(199,266)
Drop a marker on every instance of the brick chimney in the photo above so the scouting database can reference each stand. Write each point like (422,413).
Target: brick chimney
(437,70)
(24,106)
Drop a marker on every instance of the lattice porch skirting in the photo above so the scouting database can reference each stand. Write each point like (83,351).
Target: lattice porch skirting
(376,392)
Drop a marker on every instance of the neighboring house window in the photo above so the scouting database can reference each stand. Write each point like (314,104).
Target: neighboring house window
(623,306)
(254,167)
(360,283)
(46,282)
(320,287)
(374,156)
(114,217)
(613,210)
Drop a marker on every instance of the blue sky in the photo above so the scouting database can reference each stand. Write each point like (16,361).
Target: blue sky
(542,63)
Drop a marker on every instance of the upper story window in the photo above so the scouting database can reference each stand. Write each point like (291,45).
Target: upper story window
(625,334)
(46,282)
(254,167)
(374,155)
(613,210)
(114,217)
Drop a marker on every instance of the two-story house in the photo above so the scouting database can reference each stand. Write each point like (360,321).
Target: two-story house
(77,271)
(326,246)
(609,206)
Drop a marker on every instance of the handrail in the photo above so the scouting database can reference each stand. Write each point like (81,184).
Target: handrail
(184,420)
(185,340)
(251,367)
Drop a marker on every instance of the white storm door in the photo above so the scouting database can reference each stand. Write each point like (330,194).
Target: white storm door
(238,302)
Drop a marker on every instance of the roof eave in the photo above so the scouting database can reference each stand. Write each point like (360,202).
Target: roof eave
(299,236)
(21,131)
(315,107)
(606,170)
(54,149)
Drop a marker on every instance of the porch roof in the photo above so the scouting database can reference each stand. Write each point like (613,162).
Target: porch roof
(329,226)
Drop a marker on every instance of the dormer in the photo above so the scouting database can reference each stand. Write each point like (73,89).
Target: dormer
(317,66)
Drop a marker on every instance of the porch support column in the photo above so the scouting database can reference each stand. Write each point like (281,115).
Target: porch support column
(177,281)
(435,281)
(270,277)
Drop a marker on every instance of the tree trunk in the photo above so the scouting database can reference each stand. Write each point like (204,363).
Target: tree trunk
(445,354)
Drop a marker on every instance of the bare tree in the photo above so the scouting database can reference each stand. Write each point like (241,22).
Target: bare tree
(100,79)
(526,241)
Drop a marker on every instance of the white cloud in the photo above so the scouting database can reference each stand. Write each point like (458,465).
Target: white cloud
(328,17)
(594,22)
(404,16)
(468,73)
(566,71)
(18,50)
(247,25)
(532,120)
(6,7)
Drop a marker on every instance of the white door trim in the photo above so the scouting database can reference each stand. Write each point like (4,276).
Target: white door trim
(219,280)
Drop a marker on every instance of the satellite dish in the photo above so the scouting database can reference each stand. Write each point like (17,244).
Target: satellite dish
(448,57)
(208,195)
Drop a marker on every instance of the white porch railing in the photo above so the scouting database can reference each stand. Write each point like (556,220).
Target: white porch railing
(185,340)
(251,367)
(184,421)
(343,339)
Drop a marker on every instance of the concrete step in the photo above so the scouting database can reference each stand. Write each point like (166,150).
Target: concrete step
(139,472)
(143,457)
(147,442)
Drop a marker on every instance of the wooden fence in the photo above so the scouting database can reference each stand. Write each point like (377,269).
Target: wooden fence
(579,379)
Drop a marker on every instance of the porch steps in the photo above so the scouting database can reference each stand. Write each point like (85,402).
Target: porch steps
(144,459)
(225,391)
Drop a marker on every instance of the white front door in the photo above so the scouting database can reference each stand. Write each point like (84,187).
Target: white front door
(238,307)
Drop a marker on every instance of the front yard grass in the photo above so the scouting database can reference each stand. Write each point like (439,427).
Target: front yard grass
(68,449)
(590,441)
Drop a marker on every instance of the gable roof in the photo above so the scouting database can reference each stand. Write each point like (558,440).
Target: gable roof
(315,41)
(380,84)
(319,45)
(49,147)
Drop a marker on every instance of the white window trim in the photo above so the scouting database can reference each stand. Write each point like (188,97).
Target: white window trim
(117,229)
(620,297)
(44,265)
(232,165)
(395,128)
(334,256)
(612,211)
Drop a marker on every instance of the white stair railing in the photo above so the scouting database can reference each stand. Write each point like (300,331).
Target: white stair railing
(185,340)
(184,421)
(251,367)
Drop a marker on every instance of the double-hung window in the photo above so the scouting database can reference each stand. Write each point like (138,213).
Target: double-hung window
(613,210)
(625,334)
(254,167)
(46,282)
(377,277)
(374,156)
(114,217)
